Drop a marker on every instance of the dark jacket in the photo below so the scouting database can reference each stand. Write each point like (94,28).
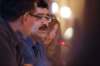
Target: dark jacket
(9,46)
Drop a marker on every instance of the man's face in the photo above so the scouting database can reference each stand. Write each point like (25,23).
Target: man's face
(41,19)
(36,20)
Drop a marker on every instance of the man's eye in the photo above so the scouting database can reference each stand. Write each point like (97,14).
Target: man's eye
(39,17)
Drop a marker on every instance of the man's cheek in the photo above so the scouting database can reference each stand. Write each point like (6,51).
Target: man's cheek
(39,24)
(35,27)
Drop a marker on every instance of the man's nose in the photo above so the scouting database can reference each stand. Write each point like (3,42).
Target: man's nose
(44,21)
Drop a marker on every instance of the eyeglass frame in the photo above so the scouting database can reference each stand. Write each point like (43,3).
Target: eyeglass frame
(48,17)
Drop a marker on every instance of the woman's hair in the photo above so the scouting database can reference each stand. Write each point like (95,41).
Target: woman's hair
(51,27)
(53,47)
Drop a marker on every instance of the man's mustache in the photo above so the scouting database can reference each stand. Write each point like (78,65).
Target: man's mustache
(43,27)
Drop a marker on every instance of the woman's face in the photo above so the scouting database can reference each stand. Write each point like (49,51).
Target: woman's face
(54,31)
(51,35)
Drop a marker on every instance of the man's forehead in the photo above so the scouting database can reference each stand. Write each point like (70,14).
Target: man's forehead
(41,11)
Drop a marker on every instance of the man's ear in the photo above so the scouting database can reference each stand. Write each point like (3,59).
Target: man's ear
(24,18)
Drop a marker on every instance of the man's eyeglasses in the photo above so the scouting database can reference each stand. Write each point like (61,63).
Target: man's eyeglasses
(39,17)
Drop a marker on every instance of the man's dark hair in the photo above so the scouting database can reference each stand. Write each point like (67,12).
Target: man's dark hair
(12,9)
(41,4)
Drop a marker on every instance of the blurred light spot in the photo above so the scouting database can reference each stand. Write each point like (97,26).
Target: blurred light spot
(65,12)
(68,33)
(61,42)
(54,7)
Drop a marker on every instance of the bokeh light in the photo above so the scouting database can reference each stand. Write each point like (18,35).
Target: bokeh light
(68,34)
(65,12)
(54,7)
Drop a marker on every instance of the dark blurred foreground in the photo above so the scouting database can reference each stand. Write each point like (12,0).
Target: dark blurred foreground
(86,48)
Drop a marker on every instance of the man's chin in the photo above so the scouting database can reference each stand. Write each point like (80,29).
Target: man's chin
(42,34)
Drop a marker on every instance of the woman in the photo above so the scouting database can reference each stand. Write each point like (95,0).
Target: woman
(51,43)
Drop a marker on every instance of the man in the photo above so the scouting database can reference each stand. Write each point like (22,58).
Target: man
(34,52)
(13,15)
